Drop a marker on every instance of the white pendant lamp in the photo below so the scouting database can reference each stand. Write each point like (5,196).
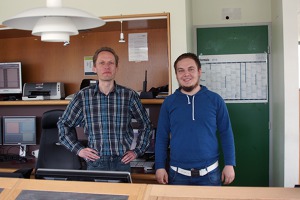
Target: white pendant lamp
(122,39)
(54,23)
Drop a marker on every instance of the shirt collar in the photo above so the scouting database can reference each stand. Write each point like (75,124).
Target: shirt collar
(116,89)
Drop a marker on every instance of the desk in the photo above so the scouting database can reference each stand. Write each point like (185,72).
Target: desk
(143,178)
(7,184)
(16,164)
(137,176)
(166,192)
(13,187)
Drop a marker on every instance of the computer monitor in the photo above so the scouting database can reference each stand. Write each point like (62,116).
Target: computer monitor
(19,130)
(1,131)
(83,175)
(10,78)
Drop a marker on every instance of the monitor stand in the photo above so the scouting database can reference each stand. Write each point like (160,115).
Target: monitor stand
(22,153)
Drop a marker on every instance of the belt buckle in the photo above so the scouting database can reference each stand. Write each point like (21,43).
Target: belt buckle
(195,173)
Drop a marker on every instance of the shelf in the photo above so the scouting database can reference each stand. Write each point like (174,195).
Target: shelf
(61,102)
(152,101)
(34,103)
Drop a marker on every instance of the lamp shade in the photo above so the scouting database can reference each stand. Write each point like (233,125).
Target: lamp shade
(122,37)
(54,19)
(54,29)
(26,20)
(122,34)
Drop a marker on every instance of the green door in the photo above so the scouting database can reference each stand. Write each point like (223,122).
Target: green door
(250,121)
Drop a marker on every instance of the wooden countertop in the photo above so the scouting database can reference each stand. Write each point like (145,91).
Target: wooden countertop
(44,189)
(12,188)
(171,192)
(61,102)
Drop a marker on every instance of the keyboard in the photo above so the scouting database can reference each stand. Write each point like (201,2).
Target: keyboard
(9,157)
(142,164)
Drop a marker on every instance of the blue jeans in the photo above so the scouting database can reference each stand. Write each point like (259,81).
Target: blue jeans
(108,163)
(213,178)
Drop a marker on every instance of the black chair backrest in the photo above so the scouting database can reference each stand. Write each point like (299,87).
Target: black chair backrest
(51,153)
(87,82)
(21,173)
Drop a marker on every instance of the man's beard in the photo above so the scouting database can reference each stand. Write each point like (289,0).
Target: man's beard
(189,88)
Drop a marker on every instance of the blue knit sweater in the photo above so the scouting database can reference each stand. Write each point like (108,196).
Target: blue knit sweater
(189,125)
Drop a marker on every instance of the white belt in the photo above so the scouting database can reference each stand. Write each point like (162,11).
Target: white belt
(196,172)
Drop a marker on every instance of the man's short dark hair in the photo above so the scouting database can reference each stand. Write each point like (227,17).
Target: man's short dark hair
(105,49)
(188,55)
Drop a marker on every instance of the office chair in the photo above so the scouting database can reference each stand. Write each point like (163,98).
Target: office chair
(87,82)
(21,173)
(52,154)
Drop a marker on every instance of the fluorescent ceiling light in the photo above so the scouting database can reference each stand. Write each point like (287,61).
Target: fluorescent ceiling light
(54,23)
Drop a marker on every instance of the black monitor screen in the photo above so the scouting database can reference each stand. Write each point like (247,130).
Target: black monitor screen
(0,131)
(10,78)
(19,130)
(83,175)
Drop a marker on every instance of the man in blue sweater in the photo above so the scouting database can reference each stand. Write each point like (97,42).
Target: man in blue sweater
(188,124)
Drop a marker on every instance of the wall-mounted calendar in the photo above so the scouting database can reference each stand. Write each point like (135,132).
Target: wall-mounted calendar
(238,78)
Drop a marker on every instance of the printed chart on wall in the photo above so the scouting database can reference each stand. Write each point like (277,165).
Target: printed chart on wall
(238,78)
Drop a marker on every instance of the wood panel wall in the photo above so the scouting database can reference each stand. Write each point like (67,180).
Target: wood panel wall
(53,62)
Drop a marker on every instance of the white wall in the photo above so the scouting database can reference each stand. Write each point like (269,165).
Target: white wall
(291,92)
(277,107)
(209,12)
